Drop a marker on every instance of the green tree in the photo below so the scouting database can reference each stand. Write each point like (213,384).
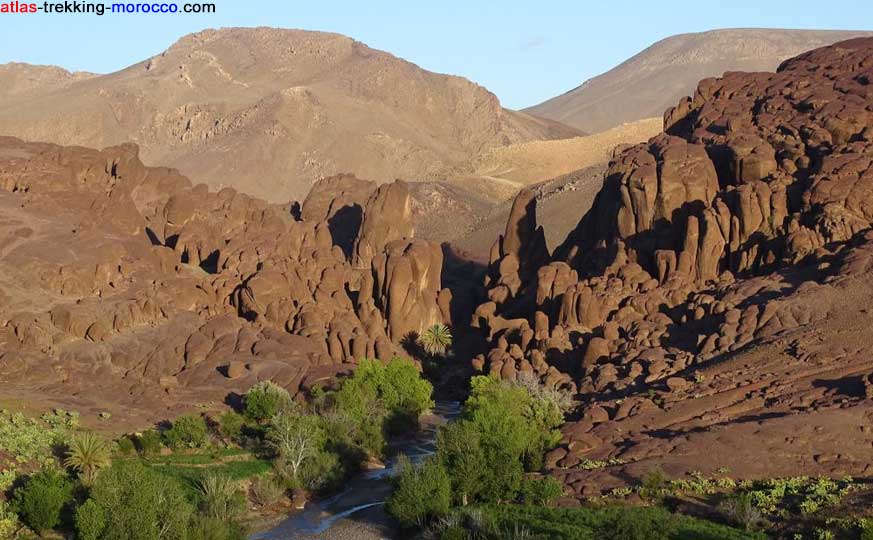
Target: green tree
(41,499)
(420,493)
(264,400)
(230,425)
(397,385)
(296,437)
(188,431)
(141,504)
(90,521)
(437,339)
(88,454)
(461,453)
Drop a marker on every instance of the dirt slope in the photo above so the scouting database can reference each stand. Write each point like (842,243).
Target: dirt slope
(649,82)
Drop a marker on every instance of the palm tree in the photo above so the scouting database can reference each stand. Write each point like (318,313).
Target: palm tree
(436,339)
(88,454)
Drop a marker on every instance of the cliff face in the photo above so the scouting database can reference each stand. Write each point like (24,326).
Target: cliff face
(127,288)
(269,111)
(711,307)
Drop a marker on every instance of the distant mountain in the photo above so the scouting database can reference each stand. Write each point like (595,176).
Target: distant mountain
(269,111)
(653,80)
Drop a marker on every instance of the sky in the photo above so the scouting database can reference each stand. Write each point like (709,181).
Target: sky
(523,51)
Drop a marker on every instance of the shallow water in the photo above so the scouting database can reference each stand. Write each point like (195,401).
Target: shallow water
(366,490)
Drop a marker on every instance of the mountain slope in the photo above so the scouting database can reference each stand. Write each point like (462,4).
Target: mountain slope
(269,111)
(653,80)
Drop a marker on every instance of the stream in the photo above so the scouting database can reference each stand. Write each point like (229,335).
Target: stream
(365,493)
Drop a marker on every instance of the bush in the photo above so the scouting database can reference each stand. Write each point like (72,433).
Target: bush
(652,524)
(654,485)
(267,490)
(265,400)
(188,431)
(230,425)
(541,491)
(149,443)
(220,498)
(90,521)
(8,520)
(208,528)
(41,499)
(141,504)
(741,510)
(420,493)
(126,446)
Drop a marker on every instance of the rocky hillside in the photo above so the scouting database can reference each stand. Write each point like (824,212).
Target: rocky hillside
(712,307)
(125,288)
(269,111)
(648,83)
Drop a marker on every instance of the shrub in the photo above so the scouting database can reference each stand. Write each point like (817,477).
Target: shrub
(141,504)
(324,471)
(126,446)
(267,490)
(651,524)
(654,485)
(188,431)
(149,443)
(88,454)
(420,493)
(209,528)
(8,520)
(265,400)
(230,425)
(41,499)
(220,497)
(741,510)
(90,521)
(541,491)
(866,530)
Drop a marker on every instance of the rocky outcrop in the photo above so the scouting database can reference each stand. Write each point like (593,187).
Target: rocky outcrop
(130,273)
(740,228)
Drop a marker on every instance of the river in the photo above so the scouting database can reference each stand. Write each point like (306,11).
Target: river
(357,512)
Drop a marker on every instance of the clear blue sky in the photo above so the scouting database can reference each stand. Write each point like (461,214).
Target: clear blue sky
(524,51)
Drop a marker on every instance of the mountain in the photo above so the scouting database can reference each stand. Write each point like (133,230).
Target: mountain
(26,80)
(648,83)
(269,111)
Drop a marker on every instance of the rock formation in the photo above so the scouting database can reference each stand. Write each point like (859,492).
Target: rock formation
(127,279)
(710,306)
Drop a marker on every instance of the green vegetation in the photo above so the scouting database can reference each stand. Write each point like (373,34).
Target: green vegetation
(138,503)
(265,400)
(42,497)
(88,454)
(421,493)
(503,432)
(188,431)
(501,522)
(582,523)
(436,340)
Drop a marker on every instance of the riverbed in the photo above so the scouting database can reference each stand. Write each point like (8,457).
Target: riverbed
(358,512)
